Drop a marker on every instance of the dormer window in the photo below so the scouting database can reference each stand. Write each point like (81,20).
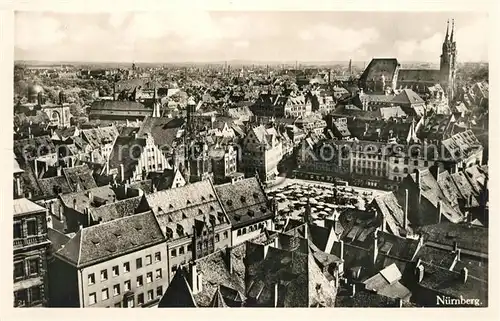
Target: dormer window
(188,202)
(200,211)
(169,233)
(203,198)
(251,213)
(229,202)
(237,217)
(180,230)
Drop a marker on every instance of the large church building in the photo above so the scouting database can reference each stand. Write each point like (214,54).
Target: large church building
(386,75)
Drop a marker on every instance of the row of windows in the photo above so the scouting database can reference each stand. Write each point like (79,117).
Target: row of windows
(126,286)
(31,229)
(29,268)
(26,297)
(126,268)
(251,228)
(415,162)
(130,301)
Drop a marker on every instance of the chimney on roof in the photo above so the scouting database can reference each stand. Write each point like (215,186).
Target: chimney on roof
(59,170)
(122,173)
(90,196)
(420,273)
(417,178)
(74,205)
(353,290)
(195,278)
(375,244)
(455,246)
(400,302)
(458,254)
(275,294)
(464,273)
(439,211)
(406,211)
(341,249)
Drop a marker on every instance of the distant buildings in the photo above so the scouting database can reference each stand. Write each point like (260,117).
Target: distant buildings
(262,152)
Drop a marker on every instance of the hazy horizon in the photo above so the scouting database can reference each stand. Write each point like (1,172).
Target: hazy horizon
(217,36)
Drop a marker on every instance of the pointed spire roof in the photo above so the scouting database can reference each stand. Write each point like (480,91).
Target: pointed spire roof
(452,29)
(218,300)
(447,30)
(178,293)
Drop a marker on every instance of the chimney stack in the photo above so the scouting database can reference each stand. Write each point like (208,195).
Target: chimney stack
(375,244)
(194,278)
(420,273)
(59,171)
(353,290)
(122,172)
(275,295)
(341,249)
(458,255)
(465,274)
(439,211)
(455,246)
(406,210)
(74,205)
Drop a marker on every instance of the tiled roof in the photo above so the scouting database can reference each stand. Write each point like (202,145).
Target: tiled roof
(53,186)
(407,96)
(105,241)
(392,112)
(97,137)
(81,175)
(119,108)
(178,293)
(430,76)
(24,206)
(471,238)
(82,197)
(163,130)
(451,283)
(123,148)
(32,148)
(393,213)
(462,144)
(182,205)
(244,201)
(115,210)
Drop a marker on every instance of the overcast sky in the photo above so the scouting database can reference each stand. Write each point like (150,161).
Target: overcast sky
(260,36)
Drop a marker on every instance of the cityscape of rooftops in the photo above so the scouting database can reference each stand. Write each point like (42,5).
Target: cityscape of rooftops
(251,159)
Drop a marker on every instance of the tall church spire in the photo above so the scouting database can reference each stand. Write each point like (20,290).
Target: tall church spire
(447,30)
(452,29)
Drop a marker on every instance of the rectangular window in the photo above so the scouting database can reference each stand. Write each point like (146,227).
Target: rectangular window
(149,277)
(91,278)
(189,247)
(426,163)
(116,270)
(104,275)
(139,281)
(159,291)
(150,295)
(92,298)
(396,161)
(31,227)
(149,259)
(406,161)
(415,163)
(33,266)
(174,268)
(126,267)
(18,270)
(238,233)
(18,230)
(173,253)
(181,250)
(116,289)
(140,299)
(226,234)
(127,285)
(157,257)
(105,294)
(158,273)
(217,237)
(138,263)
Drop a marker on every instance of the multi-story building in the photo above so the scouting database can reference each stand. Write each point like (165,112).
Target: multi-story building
(262,151)
(224,164)
(282,106)
(30,254)
(311,124)
(248,208)
(193,221)
(100,140)
(121,263)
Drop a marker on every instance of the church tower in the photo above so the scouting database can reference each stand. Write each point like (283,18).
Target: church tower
(448,63)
